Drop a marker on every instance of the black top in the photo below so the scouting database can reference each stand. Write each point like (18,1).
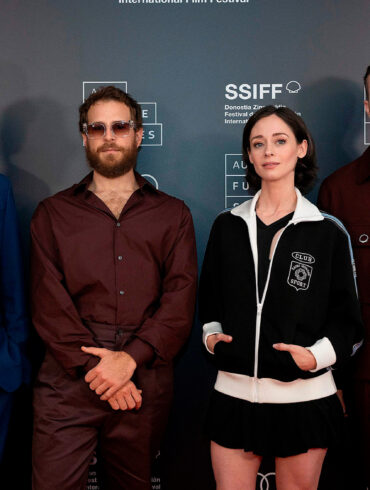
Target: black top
(265,234)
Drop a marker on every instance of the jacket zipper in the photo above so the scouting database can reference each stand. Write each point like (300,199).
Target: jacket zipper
(259,315)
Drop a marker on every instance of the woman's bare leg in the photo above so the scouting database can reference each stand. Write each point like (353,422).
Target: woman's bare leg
(234,469)
(300,472)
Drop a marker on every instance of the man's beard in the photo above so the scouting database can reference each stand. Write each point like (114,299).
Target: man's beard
(110,166)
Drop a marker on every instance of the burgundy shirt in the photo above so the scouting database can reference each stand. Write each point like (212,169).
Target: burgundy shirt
(87,266)
(346,195)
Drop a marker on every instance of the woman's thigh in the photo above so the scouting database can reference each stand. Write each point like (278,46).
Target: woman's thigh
(234,469)
(300,472)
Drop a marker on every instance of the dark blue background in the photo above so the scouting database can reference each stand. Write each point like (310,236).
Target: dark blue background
(180,56)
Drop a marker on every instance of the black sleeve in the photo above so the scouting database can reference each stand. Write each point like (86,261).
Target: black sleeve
(344,324)
(209,287)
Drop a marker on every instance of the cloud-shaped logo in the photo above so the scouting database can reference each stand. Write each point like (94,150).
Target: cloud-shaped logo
(151,179)
(293,87)
(264,482)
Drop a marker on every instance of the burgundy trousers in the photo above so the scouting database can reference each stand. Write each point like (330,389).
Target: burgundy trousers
(70,421)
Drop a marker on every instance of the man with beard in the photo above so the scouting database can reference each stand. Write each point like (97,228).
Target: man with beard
(113,286)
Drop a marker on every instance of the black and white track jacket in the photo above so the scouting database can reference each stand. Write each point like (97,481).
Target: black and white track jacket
(309,299)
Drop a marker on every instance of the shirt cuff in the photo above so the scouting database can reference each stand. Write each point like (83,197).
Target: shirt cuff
(211,328)
(140,351)
(324,353)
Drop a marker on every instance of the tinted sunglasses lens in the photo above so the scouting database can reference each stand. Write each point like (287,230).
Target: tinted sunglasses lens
(95,130)
(121,129)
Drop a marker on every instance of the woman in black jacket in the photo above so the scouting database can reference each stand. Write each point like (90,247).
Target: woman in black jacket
(279,306)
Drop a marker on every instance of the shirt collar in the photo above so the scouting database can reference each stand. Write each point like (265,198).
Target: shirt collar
(363,169)
(142,183)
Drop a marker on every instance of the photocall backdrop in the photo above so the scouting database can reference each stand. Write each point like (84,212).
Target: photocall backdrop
(200,68)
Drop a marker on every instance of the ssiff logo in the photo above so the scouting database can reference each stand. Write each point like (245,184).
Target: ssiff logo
(300,271)
(255,91)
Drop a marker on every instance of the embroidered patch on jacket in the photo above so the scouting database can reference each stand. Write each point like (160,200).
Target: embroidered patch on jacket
(300,271)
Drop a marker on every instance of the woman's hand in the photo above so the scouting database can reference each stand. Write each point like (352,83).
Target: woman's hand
(304,358)
(217,337)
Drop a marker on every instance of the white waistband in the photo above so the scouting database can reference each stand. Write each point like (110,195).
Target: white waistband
(268,390)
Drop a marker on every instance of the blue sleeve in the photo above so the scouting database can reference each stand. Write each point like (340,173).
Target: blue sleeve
(13,316)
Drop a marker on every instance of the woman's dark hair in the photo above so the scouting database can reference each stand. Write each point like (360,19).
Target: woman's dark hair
(306,169)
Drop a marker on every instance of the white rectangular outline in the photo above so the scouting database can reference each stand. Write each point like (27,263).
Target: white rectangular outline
(155,111)
(144,124)
(154,144)
(365,122)
(231,175)
(101,81)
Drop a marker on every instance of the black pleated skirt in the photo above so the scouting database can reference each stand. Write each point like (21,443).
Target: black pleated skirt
(272,429)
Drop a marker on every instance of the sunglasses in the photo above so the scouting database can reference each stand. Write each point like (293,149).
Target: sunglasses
(119,129)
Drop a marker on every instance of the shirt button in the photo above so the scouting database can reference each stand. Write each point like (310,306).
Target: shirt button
(121,293)
(119,257)
(118,224)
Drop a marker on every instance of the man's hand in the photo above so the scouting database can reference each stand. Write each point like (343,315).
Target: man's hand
(304,358)
(217,337)
(114,370)
(126,398)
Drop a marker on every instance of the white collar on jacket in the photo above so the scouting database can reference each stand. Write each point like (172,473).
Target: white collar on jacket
(304,211)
